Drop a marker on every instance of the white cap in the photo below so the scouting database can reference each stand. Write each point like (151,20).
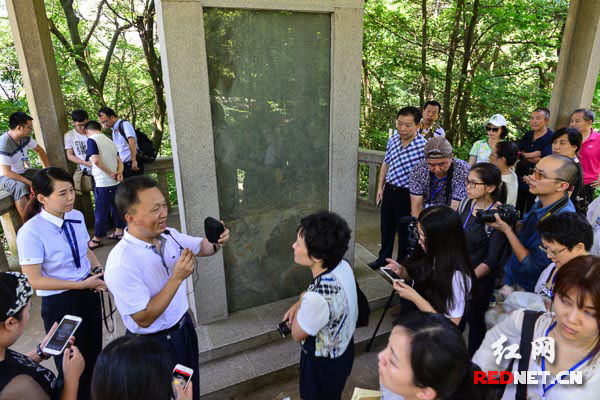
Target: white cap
(497,120)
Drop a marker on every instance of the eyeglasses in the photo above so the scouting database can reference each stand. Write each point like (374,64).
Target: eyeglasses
(550,252)
(540,175)
(473,184)
(491,128)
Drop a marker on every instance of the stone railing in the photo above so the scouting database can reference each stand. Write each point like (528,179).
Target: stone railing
(160,167)
(11,222)
(372,158)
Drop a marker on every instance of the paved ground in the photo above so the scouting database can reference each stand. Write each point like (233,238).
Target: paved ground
(363,375)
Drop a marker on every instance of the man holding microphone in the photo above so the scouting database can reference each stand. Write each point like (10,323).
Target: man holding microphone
(147,269)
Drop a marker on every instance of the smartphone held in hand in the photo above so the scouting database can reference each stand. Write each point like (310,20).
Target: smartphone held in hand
(182,376)
(59,340)
(391,274)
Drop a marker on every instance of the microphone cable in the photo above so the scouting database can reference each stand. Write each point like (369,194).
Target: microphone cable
(195,273)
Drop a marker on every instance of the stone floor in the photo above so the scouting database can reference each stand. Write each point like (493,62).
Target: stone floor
(364,373)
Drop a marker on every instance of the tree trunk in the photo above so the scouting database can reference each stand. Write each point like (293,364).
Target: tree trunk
(423,86)
(468,51)
(450,65)
(367,94)
(145,27)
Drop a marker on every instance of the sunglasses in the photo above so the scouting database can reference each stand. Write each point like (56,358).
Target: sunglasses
(540,175)
(492,129)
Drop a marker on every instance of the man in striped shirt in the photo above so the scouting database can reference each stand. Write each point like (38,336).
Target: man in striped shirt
(404,150)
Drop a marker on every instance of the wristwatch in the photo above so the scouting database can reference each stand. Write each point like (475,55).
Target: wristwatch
(40,353)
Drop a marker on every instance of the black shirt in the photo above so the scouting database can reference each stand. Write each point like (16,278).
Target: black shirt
(485,245)
(528,145)
(15,364)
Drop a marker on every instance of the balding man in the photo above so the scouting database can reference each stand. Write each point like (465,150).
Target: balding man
(550,181)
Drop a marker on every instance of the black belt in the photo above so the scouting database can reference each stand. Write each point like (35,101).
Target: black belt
(394,187)
(168,331)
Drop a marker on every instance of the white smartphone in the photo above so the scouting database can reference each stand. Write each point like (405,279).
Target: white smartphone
(391,274)
(59,340)
(182,375)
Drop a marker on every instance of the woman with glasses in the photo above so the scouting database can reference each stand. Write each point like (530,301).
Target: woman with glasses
(482,149)
(487,246)
(437,276)
(564,237)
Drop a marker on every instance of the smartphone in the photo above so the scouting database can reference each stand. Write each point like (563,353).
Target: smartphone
(391,274)
(283,329)
(59,340)
(182,375)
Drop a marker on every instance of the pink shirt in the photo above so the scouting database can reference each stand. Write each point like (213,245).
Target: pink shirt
(589,155)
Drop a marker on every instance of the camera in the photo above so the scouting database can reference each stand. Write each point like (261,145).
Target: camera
(96,271)
(283,328)
(413,234)
(507,213)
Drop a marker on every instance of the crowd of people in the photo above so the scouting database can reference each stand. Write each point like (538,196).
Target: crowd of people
(513,218)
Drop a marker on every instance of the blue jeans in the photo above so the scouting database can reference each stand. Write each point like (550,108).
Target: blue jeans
(105,203)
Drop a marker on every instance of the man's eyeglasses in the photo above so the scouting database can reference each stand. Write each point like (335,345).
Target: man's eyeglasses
(492,128)
(538,175)
(473,184)
(550,252)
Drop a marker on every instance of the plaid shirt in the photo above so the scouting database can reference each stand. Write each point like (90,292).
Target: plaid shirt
(402,159)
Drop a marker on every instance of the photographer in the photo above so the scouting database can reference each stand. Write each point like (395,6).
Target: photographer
(53,252)
(147,269)
(485,192)
(117,374)
(426,358)
(574,327)
(440,267)
(550,180)
(324,319)
(564,237)
(21,375)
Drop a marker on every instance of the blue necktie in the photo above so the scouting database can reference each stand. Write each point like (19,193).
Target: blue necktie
(67,227)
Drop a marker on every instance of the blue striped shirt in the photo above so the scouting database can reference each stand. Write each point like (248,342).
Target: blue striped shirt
(402,159)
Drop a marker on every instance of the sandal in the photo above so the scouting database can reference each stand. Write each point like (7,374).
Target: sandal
(114,236)
(94,244)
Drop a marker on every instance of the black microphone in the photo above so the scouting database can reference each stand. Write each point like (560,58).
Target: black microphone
(168,232)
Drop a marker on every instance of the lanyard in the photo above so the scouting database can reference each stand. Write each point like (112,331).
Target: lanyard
(436,186)
(72,239)
(573,368)
(471,212)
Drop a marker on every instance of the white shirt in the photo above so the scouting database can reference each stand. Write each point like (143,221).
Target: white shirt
(512,188)
(43,241)
(511,328)
(593,217)
(12,154)
(107,151)
(313,314)
(122,144)
(78,143)
(459,293)
(134,274)
(543,278)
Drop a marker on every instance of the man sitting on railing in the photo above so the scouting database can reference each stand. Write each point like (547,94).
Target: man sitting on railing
(15,171)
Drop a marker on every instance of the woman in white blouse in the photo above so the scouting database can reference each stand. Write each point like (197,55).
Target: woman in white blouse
(574,325)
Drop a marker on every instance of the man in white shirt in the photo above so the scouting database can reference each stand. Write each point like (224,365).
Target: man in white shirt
(124,136)
(504,156)
(15,171)
(76,141)
(146,272)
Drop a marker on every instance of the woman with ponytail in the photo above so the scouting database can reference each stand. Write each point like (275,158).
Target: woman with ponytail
(426,359)
(53,253)
(485,191)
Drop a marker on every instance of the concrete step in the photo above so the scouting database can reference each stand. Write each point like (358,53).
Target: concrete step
(231,376)
(256,326)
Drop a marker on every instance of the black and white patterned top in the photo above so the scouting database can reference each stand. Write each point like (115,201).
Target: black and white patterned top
(424,183)
(15,364)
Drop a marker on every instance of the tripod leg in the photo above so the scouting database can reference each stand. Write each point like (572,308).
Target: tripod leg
(387,305)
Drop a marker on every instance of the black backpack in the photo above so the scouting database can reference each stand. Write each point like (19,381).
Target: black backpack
(147,153)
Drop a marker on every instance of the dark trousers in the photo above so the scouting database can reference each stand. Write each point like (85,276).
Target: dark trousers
(323,378)
(127,171)
(589,193)
(182,346)
(394,205)
(88,337)
(105,204)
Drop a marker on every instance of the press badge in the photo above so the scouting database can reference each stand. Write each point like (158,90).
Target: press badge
(25,161)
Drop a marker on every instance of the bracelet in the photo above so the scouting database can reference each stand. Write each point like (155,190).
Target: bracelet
(40,353)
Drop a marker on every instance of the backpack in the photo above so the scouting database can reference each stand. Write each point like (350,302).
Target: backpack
(147,153)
